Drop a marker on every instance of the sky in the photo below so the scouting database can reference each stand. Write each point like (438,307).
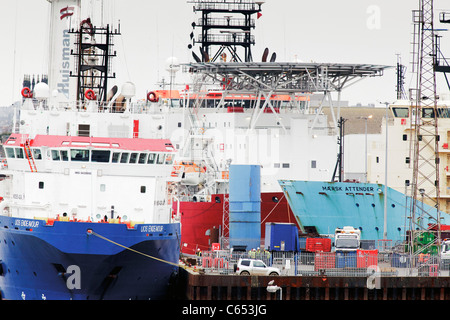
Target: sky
(347,31)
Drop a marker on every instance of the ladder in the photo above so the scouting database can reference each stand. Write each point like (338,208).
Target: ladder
(29,156)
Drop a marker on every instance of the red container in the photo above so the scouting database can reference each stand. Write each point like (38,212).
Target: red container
(324,260)
(318,244)
(366,258)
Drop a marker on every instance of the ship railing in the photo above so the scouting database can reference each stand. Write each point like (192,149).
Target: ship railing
(224,5)
(138,107)
(364,263)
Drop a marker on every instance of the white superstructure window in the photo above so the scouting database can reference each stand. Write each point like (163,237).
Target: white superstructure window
(55,155)
(10,152)
(160,158)
(142,158)
(133,157)
(124,157)
(100,155)
(19,153)
(79,155)
(151,158)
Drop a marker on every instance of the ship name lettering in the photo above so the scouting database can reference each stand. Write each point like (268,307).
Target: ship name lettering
(348,189)
(151,228)
(26,223)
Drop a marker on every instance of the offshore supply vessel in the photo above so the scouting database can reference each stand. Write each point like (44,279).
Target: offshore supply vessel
(84,211)
(410,154)
(246,110)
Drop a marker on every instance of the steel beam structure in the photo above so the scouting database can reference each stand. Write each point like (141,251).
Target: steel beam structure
(425,182)
(266,78)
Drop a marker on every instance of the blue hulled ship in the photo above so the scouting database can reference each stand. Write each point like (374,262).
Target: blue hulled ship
(85,206)
(330,205)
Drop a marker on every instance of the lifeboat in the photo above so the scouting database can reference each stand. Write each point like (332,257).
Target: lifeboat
(191,173)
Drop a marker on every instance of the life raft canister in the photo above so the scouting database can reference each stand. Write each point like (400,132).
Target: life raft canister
(90,94)
(152,97)
(26,93)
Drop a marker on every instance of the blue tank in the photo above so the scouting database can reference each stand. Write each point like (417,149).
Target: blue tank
(245,206)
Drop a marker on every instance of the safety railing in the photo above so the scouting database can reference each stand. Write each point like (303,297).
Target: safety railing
(332,264)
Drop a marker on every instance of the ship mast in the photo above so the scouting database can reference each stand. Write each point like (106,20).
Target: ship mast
(228,31)
(93,55)
(425,219)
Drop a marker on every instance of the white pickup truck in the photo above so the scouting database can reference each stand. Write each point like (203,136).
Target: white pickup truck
(255,267)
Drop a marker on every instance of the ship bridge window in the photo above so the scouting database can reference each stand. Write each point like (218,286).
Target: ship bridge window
(169,159)
(142,158)
(55,155)
(19,153)
(124,157)
(100,155)
(443,113)
(151,158)
(115,157)
(37,154)
(79,155)
(133,157)
(401,112)
(10,152)
(160,158)
(427,113)
(64,155)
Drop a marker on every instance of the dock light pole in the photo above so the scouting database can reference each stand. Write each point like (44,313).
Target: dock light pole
(386,174)
(365,145)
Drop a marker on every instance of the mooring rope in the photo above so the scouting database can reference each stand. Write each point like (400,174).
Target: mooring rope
(133,250)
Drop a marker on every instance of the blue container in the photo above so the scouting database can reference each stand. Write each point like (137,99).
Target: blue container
(245,206)
(281,237)
(345,259)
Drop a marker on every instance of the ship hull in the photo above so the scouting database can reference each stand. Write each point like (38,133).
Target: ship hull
(330,205)
(84,261)
(202,221)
